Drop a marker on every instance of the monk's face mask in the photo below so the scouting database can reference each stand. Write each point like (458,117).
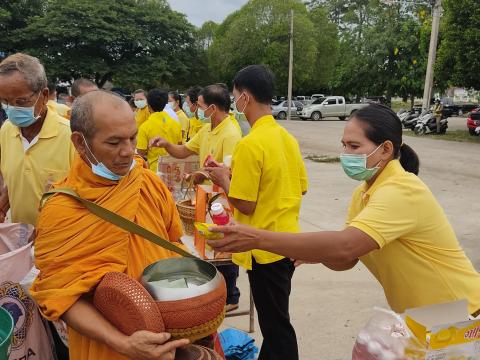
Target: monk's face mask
(98,168)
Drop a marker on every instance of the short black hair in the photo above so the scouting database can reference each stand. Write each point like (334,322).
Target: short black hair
(218,95)
(52,87)
(157,99)
(176,96)
(193,93)
(258,80)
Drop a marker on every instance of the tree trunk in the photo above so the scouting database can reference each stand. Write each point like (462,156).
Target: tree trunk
(412,101)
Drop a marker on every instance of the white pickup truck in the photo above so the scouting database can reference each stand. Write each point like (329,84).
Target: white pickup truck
(332,106)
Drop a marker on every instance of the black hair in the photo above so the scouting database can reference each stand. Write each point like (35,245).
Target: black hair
(157,99)
(176,96)
(383,124)
(193,93)
(52,87)
(258,80)
(218,95)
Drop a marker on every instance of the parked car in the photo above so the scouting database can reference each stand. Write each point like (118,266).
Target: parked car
(317,96)
(332,106)
(473,122)
(280,111)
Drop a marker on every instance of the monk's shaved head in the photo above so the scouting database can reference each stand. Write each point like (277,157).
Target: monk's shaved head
(87,108)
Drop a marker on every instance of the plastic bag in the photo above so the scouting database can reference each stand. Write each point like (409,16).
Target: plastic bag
(386,337)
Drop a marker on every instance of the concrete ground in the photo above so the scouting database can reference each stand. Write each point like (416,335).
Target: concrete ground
(329,308)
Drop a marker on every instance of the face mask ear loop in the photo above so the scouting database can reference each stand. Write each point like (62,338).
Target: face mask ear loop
(90,151)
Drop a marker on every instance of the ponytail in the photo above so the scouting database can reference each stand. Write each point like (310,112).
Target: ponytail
(409,159)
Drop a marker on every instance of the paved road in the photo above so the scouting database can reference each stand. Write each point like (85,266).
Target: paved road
(328,308)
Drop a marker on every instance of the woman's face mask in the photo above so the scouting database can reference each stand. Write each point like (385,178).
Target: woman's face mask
(355,165)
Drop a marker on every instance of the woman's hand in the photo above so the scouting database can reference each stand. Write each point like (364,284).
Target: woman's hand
(236,238)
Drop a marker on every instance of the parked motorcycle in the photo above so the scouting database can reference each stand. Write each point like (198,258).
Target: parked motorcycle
(427,124)
(410,120)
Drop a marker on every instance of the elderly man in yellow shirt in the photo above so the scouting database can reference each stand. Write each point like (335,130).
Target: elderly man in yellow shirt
(35,146)
(158,124)
(267,183)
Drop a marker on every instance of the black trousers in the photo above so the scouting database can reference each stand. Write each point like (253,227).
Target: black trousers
(271,286)
(230,273)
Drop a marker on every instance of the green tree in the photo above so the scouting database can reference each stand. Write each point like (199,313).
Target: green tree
(134,43)
(458,61)
(259,34)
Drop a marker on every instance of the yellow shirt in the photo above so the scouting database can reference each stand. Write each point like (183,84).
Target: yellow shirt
(194,127)
(218,142)
(158,124)
(28,174)
(420,261)
(62,109)
(268,169)
(184,123)
(142,115)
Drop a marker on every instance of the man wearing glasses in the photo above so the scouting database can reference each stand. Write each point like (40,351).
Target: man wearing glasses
(35,145)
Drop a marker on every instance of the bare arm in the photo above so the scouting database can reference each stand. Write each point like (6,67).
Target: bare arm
(177,151)
(329,247)
(4,203)
(87,320)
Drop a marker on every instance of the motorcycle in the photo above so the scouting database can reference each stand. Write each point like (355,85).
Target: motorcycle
(410,120)
(427,124)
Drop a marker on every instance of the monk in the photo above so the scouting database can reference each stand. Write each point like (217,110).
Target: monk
(74,249)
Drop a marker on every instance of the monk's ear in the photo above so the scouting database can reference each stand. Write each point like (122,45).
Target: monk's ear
(79,142)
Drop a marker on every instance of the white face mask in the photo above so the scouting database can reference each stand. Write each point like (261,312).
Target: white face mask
(140,104)
(172,104)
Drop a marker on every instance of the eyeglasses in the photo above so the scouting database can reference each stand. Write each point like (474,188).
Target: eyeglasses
(21,102)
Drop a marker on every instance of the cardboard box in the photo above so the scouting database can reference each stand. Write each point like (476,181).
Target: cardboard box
(172,171)
(445,331)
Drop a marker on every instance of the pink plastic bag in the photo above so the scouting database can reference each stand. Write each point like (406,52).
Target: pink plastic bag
(31,339)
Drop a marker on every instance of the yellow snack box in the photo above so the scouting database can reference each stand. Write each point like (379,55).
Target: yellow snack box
(203,230)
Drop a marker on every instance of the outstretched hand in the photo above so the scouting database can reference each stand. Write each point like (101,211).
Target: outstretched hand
(236,238)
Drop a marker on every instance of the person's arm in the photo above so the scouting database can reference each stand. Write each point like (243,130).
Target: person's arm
(177,151)
(221,176)
(329,247)
(87,320)
(4,204)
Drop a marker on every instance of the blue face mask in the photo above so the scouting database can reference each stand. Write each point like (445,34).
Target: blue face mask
(22,116)
(187,110)
(235,109)
(355,166)
(101,170)
(202,117)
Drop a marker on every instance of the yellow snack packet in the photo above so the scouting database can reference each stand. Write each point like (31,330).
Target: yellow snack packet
(203,230)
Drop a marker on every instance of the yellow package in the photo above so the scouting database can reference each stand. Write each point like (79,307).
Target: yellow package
(203,230)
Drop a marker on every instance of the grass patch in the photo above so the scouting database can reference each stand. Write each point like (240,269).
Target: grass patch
(323,159)
(456,135)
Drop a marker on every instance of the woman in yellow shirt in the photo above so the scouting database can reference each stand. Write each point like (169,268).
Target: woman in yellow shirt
(190,107)
(395,226)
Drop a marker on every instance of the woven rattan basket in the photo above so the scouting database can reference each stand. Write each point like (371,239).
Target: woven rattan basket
(130,307)
(187,214)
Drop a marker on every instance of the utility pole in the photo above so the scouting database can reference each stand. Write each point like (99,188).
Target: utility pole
(432,53)
(290,68)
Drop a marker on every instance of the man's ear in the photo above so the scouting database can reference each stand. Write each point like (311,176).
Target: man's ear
(45,94)
(79,143)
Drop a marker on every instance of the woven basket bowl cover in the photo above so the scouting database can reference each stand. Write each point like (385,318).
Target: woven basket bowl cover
(127,304)
(195,352)
(196,317)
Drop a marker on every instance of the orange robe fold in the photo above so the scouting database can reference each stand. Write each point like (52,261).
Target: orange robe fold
(74,249)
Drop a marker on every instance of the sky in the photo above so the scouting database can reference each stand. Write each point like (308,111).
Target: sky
(200,11)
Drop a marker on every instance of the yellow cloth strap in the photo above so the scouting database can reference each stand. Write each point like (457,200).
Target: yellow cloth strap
(118,220)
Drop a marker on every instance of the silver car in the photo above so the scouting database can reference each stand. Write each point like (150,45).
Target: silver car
(280,111)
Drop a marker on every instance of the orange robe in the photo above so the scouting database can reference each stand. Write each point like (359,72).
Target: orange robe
(74,249)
